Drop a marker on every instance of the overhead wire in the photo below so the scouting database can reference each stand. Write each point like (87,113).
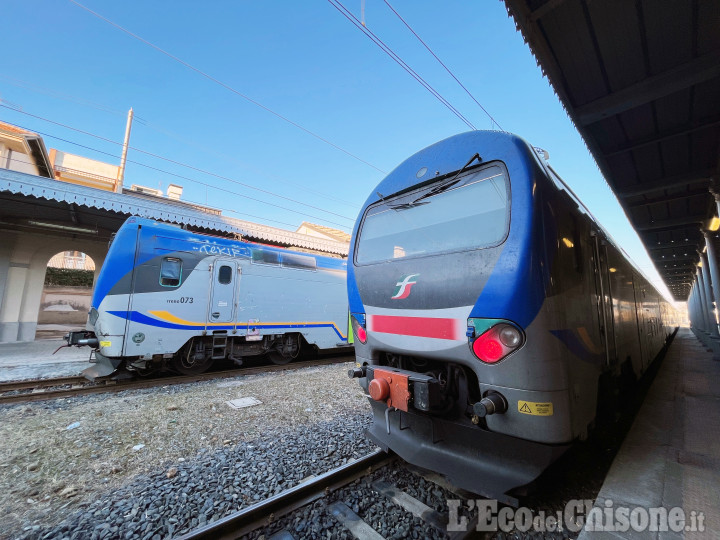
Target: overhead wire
(255,170)
(195,180)
(16,160)
(191,202)
(443,64)
(175,162)
(150,125)
(226,86)
(387,50)
(58,95)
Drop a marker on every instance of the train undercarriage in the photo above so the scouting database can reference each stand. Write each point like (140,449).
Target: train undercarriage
(197,355)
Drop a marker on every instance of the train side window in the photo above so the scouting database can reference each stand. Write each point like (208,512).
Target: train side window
(225,275)
(170,272)
(577,251)
(260,256)
(292,260)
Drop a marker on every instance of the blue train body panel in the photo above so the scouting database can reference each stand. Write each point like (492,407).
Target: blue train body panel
(167,297)
(485,291)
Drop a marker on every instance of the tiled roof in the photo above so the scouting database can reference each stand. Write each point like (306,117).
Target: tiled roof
(14,129)
(335,234)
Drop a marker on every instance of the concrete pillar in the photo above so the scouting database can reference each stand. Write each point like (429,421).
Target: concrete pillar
(697,315)
(98,260)
(34,283)
(23,264)
(699,288)
(702,303)
(713,265)
(693,314)
(700,315)
(691,307)
(709,299)
(12,301)
(15,323)
(716,194)
(5,251)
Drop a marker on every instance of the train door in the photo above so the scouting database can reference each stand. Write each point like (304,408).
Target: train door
(131,328)
(605,301)
(224,286)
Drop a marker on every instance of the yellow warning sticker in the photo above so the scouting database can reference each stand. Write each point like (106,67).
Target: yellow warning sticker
(105,343)
(535,409)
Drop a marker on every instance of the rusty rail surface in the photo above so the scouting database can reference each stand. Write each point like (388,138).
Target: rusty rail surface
(45,389)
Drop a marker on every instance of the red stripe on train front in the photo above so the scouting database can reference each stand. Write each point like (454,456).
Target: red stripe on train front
(415,326)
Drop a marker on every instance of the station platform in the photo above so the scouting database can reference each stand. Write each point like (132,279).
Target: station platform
(21,360)
(670,459)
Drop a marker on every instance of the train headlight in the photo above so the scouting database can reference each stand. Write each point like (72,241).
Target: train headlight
(496,339)
(358,326)
(510,336)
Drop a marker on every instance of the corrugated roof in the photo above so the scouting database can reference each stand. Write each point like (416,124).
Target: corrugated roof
(162,210)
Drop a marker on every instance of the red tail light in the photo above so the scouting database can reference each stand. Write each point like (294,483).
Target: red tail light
(497,342)
(488,349)
(358,326)
(361,334)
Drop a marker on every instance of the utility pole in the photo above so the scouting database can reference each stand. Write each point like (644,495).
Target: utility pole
(121,169)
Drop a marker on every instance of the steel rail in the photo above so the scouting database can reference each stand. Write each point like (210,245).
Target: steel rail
(118,386)
(267,511)
(9,386)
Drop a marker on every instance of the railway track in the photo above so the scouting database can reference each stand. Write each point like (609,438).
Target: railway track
(263,514)
(62,387)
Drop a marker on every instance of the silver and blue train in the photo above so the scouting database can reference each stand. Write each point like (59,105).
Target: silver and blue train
(494,319)
(168,298)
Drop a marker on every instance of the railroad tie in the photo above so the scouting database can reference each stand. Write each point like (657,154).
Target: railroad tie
(354,523)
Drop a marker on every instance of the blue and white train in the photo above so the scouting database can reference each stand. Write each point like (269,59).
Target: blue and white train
(494,318)
(169,298)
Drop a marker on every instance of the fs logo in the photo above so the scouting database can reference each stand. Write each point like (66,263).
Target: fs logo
(403,287)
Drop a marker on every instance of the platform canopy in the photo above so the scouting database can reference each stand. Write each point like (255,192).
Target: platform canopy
(641,81)
(31,203)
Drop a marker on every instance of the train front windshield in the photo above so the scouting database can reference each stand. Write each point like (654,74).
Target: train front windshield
(470,213)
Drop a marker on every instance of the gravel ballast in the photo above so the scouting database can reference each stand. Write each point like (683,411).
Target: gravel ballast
(156,459)
(384,516)
(216,483)
(152,464)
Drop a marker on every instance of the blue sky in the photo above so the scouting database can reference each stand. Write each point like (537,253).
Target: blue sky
(306,62)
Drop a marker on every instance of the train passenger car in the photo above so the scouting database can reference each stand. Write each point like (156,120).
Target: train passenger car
(169,298)
(494,319)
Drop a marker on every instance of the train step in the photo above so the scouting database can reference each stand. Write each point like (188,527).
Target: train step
(219,346)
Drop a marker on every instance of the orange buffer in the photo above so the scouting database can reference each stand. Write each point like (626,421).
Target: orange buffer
(391,387)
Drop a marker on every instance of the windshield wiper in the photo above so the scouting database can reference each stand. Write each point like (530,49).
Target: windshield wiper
(405,206)
(442,187)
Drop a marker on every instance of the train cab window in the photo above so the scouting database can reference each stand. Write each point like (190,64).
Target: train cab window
(225,275)
(170,272)
(472,213)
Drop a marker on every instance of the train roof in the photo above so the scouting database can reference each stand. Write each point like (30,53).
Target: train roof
(446,154)
(186,235)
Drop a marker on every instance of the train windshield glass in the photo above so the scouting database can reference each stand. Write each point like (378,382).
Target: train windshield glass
(472,213)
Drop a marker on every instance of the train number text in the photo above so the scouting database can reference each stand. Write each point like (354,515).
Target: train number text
(181,300)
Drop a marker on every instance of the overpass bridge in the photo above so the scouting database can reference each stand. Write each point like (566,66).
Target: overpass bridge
(41,216)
